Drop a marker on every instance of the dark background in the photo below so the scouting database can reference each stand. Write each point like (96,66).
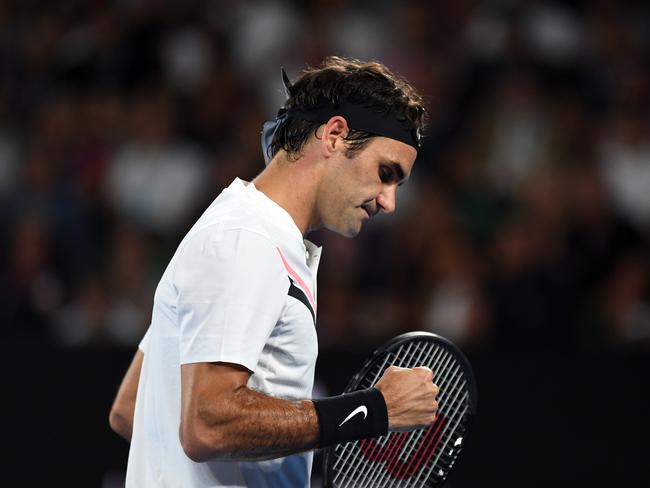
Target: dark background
(544,419)
(522,235)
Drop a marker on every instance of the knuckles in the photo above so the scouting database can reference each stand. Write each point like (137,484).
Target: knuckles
(425,372)
(395,369)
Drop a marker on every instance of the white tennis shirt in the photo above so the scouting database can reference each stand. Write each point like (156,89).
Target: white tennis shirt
(241,288)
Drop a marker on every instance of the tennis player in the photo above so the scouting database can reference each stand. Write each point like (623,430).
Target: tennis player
(218,393)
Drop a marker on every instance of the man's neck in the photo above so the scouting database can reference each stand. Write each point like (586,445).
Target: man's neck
(292,185)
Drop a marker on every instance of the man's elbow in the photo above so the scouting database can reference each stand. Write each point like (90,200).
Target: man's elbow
(120,423)
(196,450)
(200,446)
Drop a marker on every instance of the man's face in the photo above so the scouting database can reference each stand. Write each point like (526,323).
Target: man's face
(357,188)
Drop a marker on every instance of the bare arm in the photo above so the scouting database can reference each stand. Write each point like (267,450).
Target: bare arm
(121,416)
(223,419)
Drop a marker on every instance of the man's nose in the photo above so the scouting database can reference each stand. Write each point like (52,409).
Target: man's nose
(386,199)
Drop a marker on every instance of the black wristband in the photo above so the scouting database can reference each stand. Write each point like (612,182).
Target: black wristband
(357,415)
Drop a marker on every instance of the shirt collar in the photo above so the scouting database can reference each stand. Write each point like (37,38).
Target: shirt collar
(282,216)
(313,255)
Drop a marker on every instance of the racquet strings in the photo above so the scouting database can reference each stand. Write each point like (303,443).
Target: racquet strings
(422,457)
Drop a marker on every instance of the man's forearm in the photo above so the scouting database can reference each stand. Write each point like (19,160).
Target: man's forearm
(253,426)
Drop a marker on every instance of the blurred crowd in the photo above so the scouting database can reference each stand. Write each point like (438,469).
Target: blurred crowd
(525,224)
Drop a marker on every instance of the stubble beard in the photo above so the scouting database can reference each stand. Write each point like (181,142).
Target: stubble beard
(347,224)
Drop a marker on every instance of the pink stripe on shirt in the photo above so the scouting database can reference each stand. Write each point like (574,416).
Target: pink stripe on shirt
(299,280)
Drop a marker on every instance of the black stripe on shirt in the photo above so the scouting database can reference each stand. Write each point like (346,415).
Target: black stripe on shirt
(298,294)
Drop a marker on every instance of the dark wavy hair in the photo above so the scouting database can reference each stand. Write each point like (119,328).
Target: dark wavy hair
(339,79)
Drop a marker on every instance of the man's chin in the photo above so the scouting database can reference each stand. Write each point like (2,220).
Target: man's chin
(349,231)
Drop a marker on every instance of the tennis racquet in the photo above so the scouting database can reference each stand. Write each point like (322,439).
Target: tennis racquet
(422,457)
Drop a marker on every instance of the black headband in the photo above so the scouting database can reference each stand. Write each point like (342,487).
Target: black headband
(367,119)
(359,117)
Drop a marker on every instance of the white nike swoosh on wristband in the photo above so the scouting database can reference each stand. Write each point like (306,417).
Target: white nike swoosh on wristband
(360,409)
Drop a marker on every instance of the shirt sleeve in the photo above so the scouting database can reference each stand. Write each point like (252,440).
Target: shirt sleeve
(145,340)
(231,289)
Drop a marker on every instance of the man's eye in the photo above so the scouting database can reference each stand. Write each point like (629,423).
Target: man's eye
(385,175)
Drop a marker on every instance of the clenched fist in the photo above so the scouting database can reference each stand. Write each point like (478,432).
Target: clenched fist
(410,396)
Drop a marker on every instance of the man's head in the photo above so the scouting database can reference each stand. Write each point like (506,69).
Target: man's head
(339,82)
(361,124)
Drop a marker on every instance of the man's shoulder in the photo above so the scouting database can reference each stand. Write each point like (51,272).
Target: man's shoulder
(238,215)
(222,246)
(245,212)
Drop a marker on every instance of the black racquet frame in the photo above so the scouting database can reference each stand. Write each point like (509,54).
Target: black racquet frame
(378,355)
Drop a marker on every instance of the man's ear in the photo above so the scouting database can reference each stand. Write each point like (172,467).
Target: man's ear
(335,130)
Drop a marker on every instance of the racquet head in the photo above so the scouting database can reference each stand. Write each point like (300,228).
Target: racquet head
(422,457)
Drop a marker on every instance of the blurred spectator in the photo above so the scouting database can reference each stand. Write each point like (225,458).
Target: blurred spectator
(9,156)
(262,38)
(186,54)
(517,134)
(526,223)
(155,180)
(553,31)
(625,158)
(598,240)
(529,295)
(455,308)
(112,307)
(30,286)
(83,321)
(359,32)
